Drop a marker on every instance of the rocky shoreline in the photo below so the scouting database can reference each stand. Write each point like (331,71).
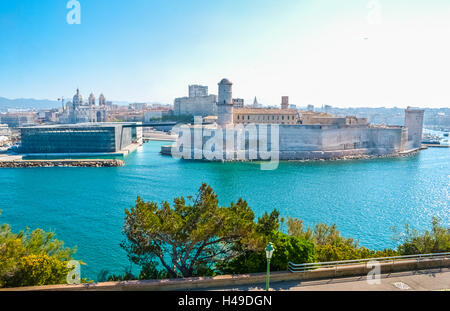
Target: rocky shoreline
(361,157)
(62,163)
(166,150)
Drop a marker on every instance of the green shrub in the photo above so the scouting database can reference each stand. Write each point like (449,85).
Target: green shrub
(287,248)
(435,241)
(37,270)
(32,258)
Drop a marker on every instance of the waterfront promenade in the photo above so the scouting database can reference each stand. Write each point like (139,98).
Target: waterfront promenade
(423,280)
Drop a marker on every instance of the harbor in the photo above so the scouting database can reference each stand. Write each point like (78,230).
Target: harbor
(435,139)
(81,204)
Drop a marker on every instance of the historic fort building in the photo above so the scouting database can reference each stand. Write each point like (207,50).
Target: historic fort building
(306,134)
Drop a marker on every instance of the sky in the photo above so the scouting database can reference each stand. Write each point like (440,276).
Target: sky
(353,53)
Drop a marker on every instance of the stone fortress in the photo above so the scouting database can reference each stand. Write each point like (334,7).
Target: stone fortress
(199,102)
(302,135)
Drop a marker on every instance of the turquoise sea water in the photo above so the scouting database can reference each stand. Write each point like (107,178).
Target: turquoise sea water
(366,198)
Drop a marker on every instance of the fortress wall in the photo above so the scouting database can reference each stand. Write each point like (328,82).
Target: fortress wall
(300,138)
(332,138)
(343,138)
(410,145)
(385,139)
(378,139)
(300,142)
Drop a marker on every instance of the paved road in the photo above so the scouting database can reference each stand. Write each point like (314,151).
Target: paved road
(425,280)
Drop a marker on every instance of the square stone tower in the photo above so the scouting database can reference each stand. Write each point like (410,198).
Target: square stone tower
(414,124)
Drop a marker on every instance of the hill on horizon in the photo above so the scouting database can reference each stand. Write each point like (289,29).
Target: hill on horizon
(27,103)
(31,103)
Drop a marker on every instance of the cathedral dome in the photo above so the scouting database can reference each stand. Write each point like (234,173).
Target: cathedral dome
(78,98)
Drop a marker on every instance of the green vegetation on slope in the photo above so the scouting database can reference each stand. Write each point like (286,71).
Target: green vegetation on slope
(32,258)
(198,237)
(203,239)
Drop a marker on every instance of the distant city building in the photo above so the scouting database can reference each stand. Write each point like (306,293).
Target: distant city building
(124,114)
(5,135)
(198,90)
(19,119)
(238,103)
(153,115)
(269,116)
(311,118)
(310,108)
(48,116)
(138,106)
(285,102)
(199,103)
(5,130)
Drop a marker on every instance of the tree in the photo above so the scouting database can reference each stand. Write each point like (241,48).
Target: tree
(187,239)
(32,258)
(330,245)
(436,241)
(287,248)
(322,234)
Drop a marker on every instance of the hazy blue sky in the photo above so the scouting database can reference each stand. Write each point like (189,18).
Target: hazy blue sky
(316,51)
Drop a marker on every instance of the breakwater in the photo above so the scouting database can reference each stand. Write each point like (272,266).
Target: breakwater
(62,163)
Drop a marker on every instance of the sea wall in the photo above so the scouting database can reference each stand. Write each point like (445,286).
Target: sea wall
(62,163)
(299,142)
(332,142)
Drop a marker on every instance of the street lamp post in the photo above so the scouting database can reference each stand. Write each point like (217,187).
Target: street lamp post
(269,253)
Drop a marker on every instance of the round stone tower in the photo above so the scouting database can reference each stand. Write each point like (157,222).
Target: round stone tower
(225,103)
